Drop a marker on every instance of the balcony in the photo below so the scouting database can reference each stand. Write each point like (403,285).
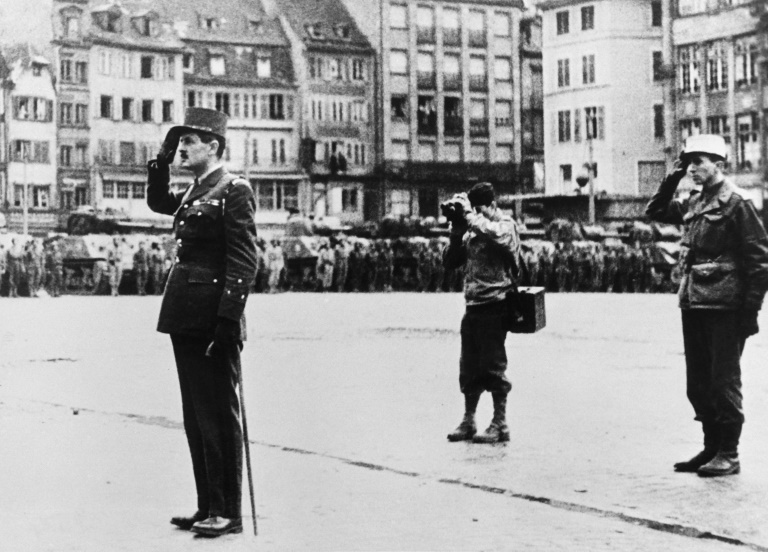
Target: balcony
(425,80)
(478,83)
(452,81)
(451,37)
(454,125)
(425,35)
(427,126)
(478,127)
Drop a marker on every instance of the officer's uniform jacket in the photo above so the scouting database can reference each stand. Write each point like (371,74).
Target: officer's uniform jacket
(216,260)
(724,250)
(489,249)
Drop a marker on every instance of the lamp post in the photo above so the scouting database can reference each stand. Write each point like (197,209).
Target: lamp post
(588,177)
(25,197)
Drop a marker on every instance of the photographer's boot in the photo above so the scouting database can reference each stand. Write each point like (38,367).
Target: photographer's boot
(467,428)
(498,431)
(711,446)
(726,461)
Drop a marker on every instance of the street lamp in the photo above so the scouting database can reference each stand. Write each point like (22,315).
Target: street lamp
(587,176)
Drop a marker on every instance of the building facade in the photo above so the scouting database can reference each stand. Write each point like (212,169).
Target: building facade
(335,67)
(716,48)
(30,104)
(604,75)
(531,92)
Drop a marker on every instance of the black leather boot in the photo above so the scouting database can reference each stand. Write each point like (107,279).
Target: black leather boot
(726,461)
(711,446)
(498,431)
(467,428)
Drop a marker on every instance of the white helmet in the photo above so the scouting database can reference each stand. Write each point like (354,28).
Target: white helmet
(710,144)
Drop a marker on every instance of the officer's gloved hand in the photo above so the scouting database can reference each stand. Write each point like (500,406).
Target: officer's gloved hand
(679,168)
(747,323)
(226,336)
(167,153)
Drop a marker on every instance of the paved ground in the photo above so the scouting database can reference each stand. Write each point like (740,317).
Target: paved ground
(350,398)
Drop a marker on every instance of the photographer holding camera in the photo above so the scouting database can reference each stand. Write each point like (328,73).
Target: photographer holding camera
(486,243)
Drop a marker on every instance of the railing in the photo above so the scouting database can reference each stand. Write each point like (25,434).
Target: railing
(454,126)
(452,81)
(478,127)
(478,83)
(425,80)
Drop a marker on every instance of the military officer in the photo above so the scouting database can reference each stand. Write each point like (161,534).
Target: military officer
(203,306)
(724,258)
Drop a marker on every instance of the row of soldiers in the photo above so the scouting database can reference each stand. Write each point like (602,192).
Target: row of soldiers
(26,268)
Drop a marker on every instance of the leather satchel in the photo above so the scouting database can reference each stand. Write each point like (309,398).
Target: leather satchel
(526,312)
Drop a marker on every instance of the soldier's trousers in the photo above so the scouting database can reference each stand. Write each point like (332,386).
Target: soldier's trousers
(483,357)
(713,348)
(212,422)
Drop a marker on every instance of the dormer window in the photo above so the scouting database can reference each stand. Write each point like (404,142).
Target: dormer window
(217,65)
(37,69)
(107,19)
(210,23)
(341,31)
(263,67)
(146,26)
(255,25)
(188,62)
(314,30)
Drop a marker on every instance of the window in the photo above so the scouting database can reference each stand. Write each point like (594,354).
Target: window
(358,69)
(563,73)
(502,23)
(104,62)
(72,27)
(745,69)
(139,190)
(65,156)
(562,22)
(563,126)
(336,69)
(65,70)
(477,73)
(478,153)
(658,66)
(276,105)
(167,111)
(425,24)
(264,67)
(127,153)
(398,62)
(594,123)
(32,109)
(452,72)
(316,67)
(587,69)
(127,109)
(146,111)
(277,196)
(503,153)
(478,118)
(720,125)
(398,16)
(123,190)
(81,154)
(451,27)
(222,102)
(65,113)
(81,114)
(81,72)
(688,69)
(477,28)
(747,142)
(587,18)
(656,13)
(503,113)
(427,115)
(255,152)
(349,200)
(689,127)
(566,174)
(426,70)
(188,62)
(147,67)
(18,195)
(503,69)
(217,65)
(108,190)
(658,122)
(399,108)
(717,66)
(40,195)
(106,152)
(106,107)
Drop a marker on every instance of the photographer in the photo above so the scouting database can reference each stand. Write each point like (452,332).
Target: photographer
(724,261)
(486,242)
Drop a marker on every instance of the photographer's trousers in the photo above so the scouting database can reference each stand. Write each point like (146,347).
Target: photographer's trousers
(483,360)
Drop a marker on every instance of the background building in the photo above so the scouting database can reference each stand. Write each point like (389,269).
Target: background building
(603,92)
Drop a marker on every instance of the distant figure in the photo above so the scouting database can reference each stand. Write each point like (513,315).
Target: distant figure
(15,263)
(325,262)
(141,268)
(275,264)
(157,268)
(100,270)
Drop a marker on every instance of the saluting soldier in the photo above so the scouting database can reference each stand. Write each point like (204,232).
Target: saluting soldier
(203,308)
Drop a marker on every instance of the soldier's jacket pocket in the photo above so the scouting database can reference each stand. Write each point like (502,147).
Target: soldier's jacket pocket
(199,275)
(715,284)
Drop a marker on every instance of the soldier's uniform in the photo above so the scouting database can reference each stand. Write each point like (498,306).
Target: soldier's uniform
(209,280)
(141,269)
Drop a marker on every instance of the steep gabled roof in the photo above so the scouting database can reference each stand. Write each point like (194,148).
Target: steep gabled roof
(324,23)
(128,35)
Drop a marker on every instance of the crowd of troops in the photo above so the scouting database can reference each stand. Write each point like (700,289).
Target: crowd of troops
(28,267)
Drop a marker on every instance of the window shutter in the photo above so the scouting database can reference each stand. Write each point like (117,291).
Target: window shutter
(601,123)
(577,125)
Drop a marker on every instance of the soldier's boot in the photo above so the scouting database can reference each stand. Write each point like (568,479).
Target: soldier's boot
(467,428)
(726,461)
(711,446)
(498,431)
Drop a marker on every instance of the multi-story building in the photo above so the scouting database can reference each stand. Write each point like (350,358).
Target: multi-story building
(238,60)
(30,100)
(450,89)
(335,65)
(716,49)
(603,95)
(4,94)
(72,55)
(531,90)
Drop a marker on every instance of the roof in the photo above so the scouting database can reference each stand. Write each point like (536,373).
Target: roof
(334,25)
(241,65)
(129,36)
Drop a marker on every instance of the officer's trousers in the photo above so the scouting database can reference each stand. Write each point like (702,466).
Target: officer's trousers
(483,356)
(713,347)
(212,423)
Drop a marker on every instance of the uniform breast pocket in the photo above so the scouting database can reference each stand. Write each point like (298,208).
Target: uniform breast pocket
(201,221)
(711,233)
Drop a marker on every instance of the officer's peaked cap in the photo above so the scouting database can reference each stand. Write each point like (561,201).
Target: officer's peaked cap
(199,119)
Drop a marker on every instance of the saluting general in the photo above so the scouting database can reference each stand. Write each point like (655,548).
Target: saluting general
(203,308)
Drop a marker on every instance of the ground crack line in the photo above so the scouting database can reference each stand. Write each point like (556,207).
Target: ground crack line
(665,527)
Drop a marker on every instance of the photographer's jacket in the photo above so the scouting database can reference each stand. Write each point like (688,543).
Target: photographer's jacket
(216,259)
(724,253)
(488,249)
